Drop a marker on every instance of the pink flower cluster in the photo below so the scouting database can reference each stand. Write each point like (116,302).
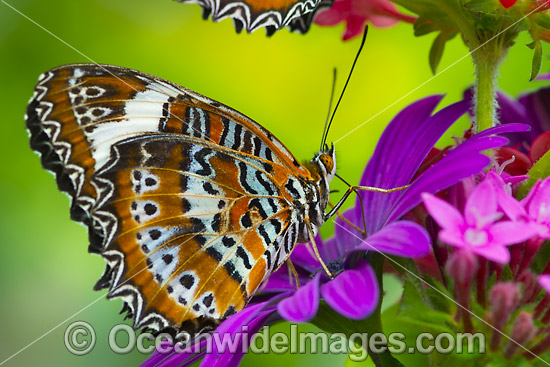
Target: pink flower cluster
(355,13)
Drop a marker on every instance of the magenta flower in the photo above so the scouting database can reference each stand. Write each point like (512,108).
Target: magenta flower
(537,205)
(479,229)
(544,281)
(533,209)
(381,13)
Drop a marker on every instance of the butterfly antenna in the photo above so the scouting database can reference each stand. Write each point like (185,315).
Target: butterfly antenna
(323,138)
(345,85)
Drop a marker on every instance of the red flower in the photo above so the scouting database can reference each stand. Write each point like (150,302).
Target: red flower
(381,13)
(508,3)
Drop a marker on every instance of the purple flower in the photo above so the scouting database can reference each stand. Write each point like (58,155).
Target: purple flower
(354,291)
(479,229)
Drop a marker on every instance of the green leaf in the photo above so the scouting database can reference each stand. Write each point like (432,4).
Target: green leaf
(332,322)
(415,309)
(537,58)
(542,19)
(483,6)
(438,46)
(540,170)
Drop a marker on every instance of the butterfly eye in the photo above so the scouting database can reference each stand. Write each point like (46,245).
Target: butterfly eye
(327,161)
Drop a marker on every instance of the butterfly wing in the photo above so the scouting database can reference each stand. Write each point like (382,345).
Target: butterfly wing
(182,195)
(297,15)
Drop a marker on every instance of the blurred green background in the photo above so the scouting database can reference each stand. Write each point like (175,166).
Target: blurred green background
(283,82)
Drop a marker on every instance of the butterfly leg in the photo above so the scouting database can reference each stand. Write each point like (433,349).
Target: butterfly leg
(347,221)
(315,249)
(351,189)
(292,270)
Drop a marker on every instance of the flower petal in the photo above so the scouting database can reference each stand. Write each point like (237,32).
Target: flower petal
(353,293)
(544,281)
(282,280)
(303,304)
(481,205)
(402,238)
(540,146)
(498,254)
(506,202)
(347,238)
(400,150)
(464,161)
(354,26)
(446,215)
(539,205)
(228,337)
(510,233)
(453,238)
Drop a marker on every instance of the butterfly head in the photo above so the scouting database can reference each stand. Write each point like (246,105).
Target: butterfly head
(323,165)
(325,160)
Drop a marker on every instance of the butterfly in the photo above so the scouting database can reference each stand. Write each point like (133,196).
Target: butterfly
(191,203)
(297,15)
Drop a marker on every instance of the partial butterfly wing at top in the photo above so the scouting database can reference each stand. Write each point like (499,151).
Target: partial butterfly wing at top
(297,15)
(191,203)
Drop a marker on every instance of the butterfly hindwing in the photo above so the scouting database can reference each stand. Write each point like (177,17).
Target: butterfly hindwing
(188,242)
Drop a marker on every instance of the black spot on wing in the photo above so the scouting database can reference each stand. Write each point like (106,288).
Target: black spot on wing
(257,146)
(226,123)
(244,256)
(215,254)
(290,187)
(207,186)
(255,203)
(164,118)
(228,241)
(246,221)
(233,273)
(264,183)
(216,222)
(200,158)
(237,137)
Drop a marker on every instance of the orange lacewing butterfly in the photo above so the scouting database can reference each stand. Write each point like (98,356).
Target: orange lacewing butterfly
(191,203)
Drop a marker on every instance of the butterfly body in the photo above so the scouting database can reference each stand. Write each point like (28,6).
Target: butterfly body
(191,203)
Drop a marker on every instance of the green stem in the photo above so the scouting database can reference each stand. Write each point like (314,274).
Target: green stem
(487,60)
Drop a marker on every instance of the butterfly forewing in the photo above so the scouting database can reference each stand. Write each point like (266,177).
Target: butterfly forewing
(185,198)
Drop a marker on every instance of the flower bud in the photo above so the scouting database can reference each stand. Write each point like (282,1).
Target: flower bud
(508,3)
(504,300)
(462,266)
(524,330)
